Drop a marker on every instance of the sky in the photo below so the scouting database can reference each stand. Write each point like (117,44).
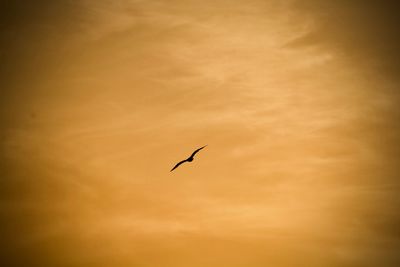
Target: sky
(297,100)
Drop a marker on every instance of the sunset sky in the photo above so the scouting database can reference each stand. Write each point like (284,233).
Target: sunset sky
(297,100)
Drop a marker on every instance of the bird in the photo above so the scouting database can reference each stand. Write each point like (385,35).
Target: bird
(189,159)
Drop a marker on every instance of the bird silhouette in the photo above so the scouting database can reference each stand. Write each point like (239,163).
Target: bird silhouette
(189,159)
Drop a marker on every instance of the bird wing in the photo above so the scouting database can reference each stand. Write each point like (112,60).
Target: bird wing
(177,165)
(197,150)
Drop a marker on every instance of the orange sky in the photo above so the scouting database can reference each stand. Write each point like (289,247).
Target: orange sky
(296,100)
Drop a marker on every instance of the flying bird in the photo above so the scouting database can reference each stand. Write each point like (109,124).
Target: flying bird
(189,159)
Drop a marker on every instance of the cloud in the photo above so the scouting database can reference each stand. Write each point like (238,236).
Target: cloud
(296,101)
